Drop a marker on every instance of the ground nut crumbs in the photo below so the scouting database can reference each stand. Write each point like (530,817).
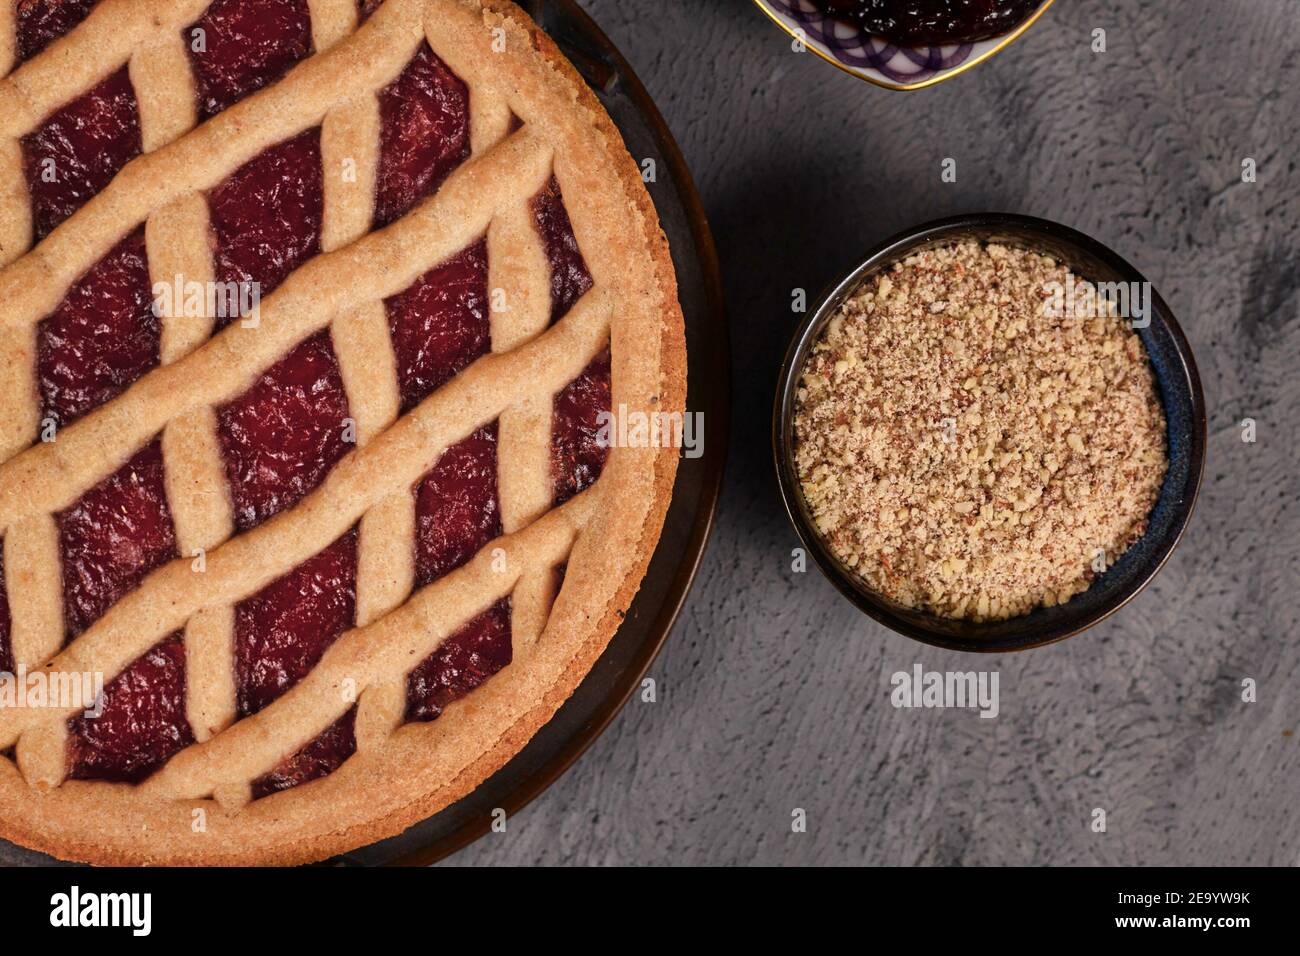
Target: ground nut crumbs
(968,451)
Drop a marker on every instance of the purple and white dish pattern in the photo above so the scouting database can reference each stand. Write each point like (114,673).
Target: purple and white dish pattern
(872,57)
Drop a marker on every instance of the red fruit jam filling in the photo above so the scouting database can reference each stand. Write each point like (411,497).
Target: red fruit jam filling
(143,723)
(456,510)
(266,216)
(440,324)
(101,337)
(239,46)
(117,533)
(334,745)
(6,647)
(423,134)
(576,456)
(464,661)
(569,275)
(282,631)
(41,22)
(281,437)
(78,149)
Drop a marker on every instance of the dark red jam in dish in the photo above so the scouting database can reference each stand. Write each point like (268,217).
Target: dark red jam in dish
(926,22)
(41,22)
(440,323)
(464,661)
(423,134)
(266,216)
(101,337)
(577,456)
(569,275)
(332,746)
(78,149)
(6,647)
(281,437)
(239,46)
(143,722)
(282,631)
(456,510)
(114,535)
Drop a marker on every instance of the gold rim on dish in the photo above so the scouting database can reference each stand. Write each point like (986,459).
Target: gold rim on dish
(921,84)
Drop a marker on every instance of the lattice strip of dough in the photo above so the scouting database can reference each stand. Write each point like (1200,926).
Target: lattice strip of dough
(386,549)
(8,37)
(164,91)
(331,21)
(36,632)
(520,282)
(15,205)
(35,589)
(180,255)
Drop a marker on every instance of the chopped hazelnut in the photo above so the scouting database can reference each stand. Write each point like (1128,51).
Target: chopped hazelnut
(1059,445)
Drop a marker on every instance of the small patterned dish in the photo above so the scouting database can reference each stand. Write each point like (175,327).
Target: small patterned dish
(875,59)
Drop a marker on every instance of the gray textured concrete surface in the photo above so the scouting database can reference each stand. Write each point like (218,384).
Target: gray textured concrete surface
(773,691)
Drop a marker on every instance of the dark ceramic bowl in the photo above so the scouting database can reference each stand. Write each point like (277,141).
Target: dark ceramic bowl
(1180,392)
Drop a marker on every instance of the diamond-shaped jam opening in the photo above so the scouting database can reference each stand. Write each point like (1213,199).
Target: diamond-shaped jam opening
(281,437)
(464,661)
(423,134)
(456,508)
(239,46)
(577,454)
(266,216)
(41,22)
(569,275)
(142,724)
(282,631)
(325,754)
(79,149)
(101,337)
(6,646)
(117,533)
(440,324)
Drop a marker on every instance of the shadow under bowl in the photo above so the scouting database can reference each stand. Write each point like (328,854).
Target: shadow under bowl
(1177,382)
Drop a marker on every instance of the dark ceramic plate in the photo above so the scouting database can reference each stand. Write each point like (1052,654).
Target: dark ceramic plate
(690,517)
(1180,391)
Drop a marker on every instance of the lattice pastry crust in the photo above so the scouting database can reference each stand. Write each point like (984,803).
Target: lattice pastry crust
(531,117)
